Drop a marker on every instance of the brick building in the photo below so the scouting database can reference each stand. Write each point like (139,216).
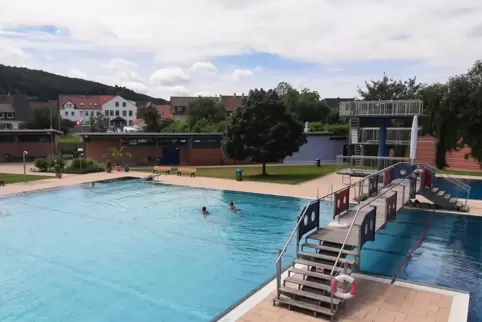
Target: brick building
(37,143)
(146,148)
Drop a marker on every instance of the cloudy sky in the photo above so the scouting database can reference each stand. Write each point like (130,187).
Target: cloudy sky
(201,47)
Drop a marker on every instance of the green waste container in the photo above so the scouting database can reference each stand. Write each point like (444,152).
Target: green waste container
(239,174)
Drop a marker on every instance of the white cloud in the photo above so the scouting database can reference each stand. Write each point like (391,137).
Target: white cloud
(203,68)
(370,30)
(169,76)
(241,73)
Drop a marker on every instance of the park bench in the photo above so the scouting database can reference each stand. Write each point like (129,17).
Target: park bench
(2,181)
(190,171)
(159,169)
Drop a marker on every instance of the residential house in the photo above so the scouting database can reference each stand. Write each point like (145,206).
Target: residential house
(119,111)
(179,104)
(14,110)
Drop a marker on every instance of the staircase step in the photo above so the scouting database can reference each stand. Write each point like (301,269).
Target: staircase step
(435,189)
(318,286)
(330,249)
(453,200)
(313,264)
(326,257)
(304,305)
(309,295)
(447,196)
(440,193)
(306,272)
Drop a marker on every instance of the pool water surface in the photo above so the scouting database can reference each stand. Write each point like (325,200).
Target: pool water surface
(133,251)
(450,254)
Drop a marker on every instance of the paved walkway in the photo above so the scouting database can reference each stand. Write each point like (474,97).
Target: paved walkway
(376,302)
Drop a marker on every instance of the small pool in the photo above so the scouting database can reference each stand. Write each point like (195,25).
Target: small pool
(133,251)
(475,188)
(449,256)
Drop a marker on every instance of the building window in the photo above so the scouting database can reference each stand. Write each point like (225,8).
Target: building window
(111,112)
(131,122)
(117,113)
(66,113)
(124,104)
(10,115)
(179,108)
(81,113)
(116,104)
(73,113)
(2,115)
(86,113)
(124,113)
(98,113)
(130,113)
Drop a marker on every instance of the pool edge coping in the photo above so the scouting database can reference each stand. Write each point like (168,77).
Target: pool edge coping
(459,308)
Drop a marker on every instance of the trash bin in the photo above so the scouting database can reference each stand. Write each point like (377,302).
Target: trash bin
(239,174)
(318,162)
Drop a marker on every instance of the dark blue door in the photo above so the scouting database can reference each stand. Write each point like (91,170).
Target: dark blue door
(171,155)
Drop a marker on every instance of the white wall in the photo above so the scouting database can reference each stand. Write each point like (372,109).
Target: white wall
(122,105)
(69,113)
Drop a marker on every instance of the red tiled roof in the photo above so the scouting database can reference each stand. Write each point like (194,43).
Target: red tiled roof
(138,121)
(86,102)
(165,111)
(231,102)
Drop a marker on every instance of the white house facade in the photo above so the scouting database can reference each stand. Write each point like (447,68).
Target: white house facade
(119,111)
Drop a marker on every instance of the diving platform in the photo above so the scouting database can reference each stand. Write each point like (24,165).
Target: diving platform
(390,109)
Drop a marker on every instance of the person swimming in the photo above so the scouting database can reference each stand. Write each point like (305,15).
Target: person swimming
(234,209)
(93,184)
(205,212)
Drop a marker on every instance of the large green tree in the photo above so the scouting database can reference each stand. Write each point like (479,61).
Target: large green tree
(98,123)
(390,89)
(45,118)
(153,122)
(263,130)
(306,104)
(205,110)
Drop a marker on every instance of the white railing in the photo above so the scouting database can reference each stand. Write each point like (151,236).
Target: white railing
(381,108)
(398,136)
(355,164)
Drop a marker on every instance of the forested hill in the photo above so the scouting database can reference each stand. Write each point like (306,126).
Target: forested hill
(47,86)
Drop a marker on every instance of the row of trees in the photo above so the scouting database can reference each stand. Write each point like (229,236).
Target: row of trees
(453,108)
(208,115)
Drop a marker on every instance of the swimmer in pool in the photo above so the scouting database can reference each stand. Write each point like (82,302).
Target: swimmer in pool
(205,212)
(234,209)
(93,184)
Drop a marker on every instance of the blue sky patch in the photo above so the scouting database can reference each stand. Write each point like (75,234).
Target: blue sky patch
(264,60)
(49,29)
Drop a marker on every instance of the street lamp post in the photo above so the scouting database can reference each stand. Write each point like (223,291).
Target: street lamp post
(24,154)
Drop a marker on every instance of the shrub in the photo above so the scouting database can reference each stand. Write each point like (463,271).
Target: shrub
(53,159)
(42,164)
(81,163)
(57,168)
(80,166)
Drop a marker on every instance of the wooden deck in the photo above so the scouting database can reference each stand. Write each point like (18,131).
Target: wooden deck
(337,235)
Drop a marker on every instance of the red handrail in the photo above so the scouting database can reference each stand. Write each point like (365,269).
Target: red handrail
(414,248)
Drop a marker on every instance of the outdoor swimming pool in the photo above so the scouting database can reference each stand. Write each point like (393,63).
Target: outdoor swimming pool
(134,251)
(475,188)
(449,256)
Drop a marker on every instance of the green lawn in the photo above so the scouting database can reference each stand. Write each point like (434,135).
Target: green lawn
(288,174)
(70,139)
(14,178)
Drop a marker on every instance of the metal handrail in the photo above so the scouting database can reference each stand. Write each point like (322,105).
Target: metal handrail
(353,224)
(282,251)
(447,176)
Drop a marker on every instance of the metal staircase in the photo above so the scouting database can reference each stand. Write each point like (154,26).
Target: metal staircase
(355,140)
(431,181)
(329,251)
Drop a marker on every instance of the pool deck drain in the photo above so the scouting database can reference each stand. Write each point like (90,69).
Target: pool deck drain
(377,301)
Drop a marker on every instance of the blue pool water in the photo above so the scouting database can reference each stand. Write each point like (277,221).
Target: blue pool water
(475,188)
(449,256)
(132,251)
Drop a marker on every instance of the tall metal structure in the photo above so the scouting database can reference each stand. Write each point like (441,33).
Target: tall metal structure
(383,112)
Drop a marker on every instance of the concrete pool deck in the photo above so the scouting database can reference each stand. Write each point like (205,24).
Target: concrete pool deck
(377,301)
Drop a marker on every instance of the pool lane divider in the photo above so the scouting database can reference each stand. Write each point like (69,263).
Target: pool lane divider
(414,248)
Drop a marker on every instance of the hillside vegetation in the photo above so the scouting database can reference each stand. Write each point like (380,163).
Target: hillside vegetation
(47,86)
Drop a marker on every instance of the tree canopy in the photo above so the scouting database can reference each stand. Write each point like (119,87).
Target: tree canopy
(153,122)
(263,130)
(44,118)
(306,104)
(47,86)
(205,111)
(390,89)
